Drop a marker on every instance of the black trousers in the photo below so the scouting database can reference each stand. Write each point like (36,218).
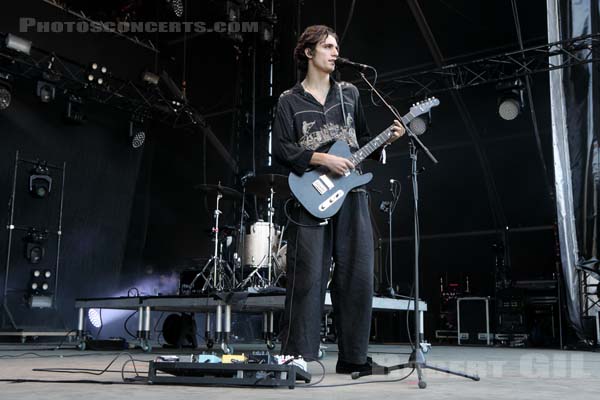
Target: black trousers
(347,241)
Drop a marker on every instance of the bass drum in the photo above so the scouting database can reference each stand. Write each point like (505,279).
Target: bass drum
(256,244)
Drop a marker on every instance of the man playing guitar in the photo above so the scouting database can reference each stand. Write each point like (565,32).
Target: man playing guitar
(311,116)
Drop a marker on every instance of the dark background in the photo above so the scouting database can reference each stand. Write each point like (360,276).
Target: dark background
(133,215)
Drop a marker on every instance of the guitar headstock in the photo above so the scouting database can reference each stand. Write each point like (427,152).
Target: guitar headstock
(424,106)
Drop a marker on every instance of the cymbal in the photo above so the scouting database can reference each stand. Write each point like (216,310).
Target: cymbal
(261,185)
(224,190)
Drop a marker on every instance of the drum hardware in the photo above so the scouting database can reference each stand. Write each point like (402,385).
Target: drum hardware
(216,270)
(264,186)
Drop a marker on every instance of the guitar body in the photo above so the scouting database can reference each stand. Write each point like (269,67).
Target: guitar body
(322,192)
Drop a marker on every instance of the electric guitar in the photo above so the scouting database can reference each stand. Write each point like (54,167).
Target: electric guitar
(321,192)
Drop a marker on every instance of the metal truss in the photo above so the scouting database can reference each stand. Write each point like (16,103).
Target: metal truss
(497,68)
(82,17)
(137,98)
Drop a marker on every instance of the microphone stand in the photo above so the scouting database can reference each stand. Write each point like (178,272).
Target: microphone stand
(389,207)
(416,359)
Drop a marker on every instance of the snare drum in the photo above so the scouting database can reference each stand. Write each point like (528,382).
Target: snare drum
(256,244)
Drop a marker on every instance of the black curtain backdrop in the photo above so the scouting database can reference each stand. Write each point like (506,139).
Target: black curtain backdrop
(101,172)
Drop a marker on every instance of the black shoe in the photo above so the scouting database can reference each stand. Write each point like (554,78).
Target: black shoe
(343,367)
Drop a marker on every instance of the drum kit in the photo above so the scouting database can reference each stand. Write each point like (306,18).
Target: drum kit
(251,255)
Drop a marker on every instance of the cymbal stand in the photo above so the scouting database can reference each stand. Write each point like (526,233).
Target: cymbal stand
(270,212)
(214,278)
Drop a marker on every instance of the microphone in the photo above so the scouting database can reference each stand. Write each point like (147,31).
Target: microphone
(342,62)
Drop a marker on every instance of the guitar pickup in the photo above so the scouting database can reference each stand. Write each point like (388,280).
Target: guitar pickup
(332,199)
(325,179)
(323,184)
(320,186)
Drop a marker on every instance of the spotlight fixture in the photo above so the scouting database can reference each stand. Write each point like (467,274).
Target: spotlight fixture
(5,91)
(37,301)
(39,290)
(177,7)
(510,99)
(150,78)
(35,247)
(73,113)
(97,74)
(137,136)
(95,317)
(40,182)
(45,91)
(18,44)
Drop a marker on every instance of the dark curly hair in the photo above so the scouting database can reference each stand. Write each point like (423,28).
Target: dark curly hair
(309,39)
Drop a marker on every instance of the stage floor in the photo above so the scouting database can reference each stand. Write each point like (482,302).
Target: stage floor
(505,373)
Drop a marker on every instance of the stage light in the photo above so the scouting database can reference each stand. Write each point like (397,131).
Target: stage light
(36,301)
(37,273)
(418,126)
(34,286)
(509,108)
(45,91)
(94,317)
(150,77)
(5,97)
(510,99)
(5,91)
(47,274)
(18,44)
(97,73)
(73,113)
(137,136)
(35,247)
(40,182)
(177,7)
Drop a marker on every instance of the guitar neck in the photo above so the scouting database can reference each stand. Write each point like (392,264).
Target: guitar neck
(376,142)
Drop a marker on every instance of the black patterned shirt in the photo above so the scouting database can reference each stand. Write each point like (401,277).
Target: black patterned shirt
(303,125)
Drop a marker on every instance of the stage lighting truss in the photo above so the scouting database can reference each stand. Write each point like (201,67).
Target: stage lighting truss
(40,182)
(35,245)
(164,102)
(405,85)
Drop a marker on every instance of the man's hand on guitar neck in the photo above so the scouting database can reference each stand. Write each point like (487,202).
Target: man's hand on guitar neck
(398,130)
(337,165)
